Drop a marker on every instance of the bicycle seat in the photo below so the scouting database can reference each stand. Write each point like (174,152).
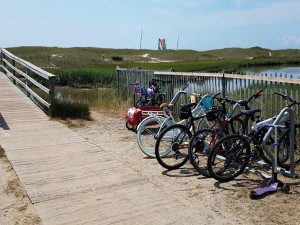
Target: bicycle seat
(250,112)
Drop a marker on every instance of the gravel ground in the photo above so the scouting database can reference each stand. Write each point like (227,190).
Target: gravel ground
(229,202)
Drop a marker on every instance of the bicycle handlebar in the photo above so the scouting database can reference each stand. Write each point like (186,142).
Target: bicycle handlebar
(292,100)
(240,102)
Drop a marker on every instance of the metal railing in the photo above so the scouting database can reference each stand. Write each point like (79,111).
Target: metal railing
(38,84)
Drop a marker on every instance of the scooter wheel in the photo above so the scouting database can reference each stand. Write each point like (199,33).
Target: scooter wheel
(252,195)
(286,188)
(129,126)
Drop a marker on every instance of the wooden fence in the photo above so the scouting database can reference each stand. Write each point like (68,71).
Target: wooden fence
(234,86)
(38,84)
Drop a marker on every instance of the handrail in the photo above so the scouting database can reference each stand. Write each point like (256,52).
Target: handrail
(28,76)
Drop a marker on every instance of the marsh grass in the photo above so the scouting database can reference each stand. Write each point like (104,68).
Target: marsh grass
(93,68)
(53,57)
(73,110)
(110,100)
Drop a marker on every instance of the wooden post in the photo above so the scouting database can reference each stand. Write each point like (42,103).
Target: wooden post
(27,82)
(14,72)
(223,85)
(52,81)
(3,63)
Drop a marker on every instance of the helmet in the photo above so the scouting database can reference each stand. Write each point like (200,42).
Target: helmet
(150,92)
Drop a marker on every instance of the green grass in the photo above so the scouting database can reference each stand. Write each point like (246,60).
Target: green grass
(52,57)
(95,67)
(70,110)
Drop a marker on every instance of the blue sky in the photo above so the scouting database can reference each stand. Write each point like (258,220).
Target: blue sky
(199,24)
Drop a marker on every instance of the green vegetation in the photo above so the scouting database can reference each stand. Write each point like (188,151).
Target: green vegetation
(52,57)
(74,110)
(96,67)
(85,77)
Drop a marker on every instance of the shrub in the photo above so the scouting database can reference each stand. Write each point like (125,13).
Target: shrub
(74,110)
(117,58)
(86,77)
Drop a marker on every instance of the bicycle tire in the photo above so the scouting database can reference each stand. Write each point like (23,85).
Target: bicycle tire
(228,158)
(148,132)
(199,147)
(198,153)
(174,139)
(203,124)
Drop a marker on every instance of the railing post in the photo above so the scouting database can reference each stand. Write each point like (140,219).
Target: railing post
(14,72)
(223,85)
(27,82)
(1,56)
(52,81)
(3,63)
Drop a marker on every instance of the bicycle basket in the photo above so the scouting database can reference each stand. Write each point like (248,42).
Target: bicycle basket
(185,112)
(207,102)
(214,113)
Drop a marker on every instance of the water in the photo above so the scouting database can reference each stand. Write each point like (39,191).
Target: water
(82,95)
(293,71)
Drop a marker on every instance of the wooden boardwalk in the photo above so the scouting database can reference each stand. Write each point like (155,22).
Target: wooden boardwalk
(71,181)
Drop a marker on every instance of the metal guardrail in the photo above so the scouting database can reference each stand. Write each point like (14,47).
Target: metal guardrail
(38,84)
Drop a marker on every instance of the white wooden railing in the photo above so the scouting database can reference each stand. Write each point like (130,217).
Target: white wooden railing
(38,84)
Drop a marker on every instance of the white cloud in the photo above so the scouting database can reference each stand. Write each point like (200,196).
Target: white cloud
(290,42)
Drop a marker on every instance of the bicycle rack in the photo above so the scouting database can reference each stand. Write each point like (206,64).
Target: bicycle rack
(274,183)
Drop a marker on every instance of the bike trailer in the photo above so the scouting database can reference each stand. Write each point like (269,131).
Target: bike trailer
(135,115)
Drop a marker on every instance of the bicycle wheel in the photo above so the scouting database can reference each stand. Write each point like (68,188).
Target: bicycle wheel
(199,148)
(175,140)
(203,123)
(228,158)
(148,131)
(283,151)
(235,125)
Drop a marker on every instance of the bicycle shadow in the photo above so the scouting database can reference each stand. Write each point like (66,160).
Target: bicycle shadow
(181,172)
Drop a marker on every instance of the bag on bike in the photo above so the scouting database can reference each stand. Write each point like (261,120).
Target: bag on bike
(133,116)
(185,111)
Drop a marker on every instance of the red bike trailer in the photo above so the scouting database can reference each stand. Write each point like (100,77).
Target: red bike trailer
(135,115)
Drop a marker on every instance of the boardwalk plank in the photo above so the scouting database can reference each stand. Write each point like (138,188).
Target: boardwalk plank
(71,181)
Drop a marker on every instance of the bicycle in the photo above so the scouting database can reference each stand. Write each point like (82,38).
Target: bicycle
(230,155)
(175,139)
(203,140)
(154,95)
(153,124)
(150,128)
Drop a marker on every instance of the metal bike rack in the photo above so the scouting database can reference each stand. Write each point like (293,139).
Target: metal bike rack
(291,172)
